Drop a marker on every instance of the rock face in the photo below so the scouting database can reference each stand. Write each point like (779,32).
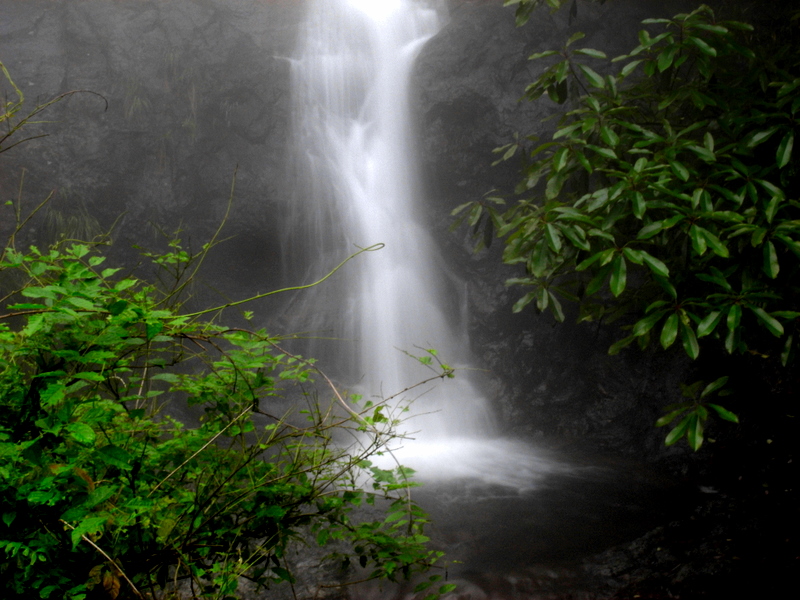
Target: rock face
(195,90)
(199,89)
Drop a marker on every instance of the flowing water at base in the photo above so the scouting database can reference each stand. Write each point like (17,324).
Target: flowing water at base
(507,544)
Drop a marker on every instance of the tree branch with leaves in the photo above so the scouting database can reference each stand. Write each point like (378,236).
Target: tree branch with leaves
(668,193)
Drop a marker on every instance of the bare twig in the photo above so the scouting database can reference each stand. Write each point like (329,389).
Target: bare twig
(206,445)
(372,248)
(109,559)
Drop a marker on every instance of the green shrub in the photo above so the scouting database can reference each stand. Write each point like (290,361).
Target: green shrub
(105,493)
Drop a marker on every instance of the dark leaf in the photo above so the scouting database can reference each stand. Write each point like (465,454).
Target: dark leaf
(724,413)
(670,331)
(618,275)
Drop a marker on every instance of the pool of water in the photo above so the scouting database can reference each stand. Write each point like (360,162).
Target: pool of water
(529,542)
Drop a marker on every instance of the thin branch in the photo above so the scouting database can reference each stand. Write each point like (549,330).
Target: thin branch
(372,248)
(213,242)
(109,559)
(206,445)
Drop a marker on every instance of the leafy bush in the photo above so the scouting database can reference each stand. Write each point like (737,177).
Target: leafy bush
(668,192)
(105,492)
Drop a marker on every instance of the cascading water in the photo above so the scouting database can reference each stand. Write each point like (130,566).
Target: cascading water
(357,187)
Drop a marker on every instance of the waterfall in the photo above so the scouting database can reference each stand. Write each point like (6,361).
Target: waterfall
(356,186)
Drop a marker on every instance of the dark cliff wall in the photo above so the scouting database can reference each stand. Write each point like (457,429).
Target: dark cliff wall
(196,88)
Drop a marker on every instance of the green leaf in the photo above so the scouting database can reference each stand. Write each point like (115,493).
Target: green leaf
(768,320)
(566,131)
(604,152)
(100,495)
(760,137)
(560,159)
(709,323)
(708,141)
(703,152)
(596,284)
(554,184)
(670,417)
(667,286)
(787,351)
(591,52)
(635,256)
(639,205)
(704,47)
(784,153)
(650,230)
(555,307)
(544,54)
(90,526)
(694,432)
(538,262)
(689,340)
(576,236)
(523,302)
(82,433)
(680,170)
(656,266)
(670,331)
(575,37)
(115,456)
(643,326)
(618,346)
(665,58)
(678,431)
(117,308)
(600,256)
(734,316)
(714,386)
(715,244)
(608,135)
(772,207)
(771,266)
(89,376)
(37,292)
(618,275)
(724,413)
(542,299)
(629,68)
(698,240)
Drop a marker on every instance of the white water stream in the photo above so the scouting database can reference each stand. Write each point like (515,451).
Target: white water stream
(357,166)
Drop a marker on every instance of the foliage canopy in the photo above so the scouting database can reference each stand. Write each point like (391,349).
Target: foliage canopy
(668,192)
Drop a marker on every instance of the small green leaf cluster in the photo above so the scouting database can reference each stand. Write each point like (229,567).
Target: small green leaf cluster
(694,412)
(102,488)
(668,190)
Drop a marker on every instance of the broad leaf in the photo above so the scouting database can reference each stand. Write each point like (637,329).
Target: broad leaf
(784,153)
(619,271)
(724,413)
(768,320)
(670,331)
(689,340)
